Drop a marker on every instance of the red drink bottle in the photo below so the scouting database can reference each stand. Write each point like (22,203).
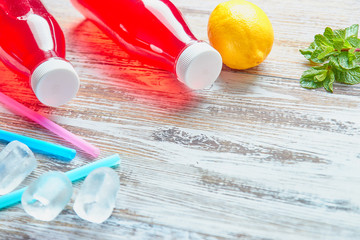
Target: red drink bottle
(32,44)
(156,33)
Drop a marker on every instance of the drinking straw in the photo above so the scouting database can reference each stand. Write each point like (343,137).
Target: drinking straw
(20,109)
(39,146)
(74,175)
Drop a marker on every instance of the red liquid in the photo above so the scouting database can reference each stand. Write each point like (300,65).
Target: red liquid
(155,32)
(32,44)
(29,35)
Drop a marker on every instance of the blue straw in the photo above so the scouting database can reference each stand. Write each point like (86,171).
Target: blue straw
(74,175)
(83,171)
(39,146)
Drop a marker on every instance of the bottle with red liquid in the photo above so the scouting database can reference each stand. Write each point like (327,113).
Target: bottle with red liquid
(155,32)
(33,45)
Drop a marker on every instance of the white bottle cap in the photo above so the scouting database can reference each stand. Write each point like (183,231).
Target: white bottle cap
(199,65)
(55,82)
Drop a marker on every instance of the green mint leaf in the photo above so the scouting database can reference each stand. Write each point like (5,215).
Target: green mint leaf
(346,60)
(312,52)
(315,56)
(312,72)
(334,63)
(308,51)
(352,31)
(340,34)
(336,38)
(353,41)
(329,34)
(338,44)
(310,84)
(347,45)
(324,48)
(326,52)
(352,76)
(329,81)
(357,57)
(322,41)
(351,55)
(321,76)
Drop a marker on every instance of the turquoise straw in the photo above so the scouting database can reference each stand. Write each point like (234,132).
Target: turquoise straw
(39,146)
(74,175)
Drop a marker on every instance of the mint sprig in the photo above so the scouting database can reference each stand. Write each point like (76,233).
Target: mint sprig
(337,55)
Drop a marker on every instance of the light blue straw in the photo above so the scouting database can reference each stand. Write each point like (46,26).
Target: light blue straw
(39,146)
(74,175)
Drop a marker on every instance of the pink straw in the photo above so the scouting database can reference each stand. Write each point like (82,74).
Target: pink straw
(20,109)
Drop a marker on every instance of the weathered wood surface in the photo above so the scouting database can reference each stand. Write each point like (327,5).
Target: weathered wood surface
(253,157)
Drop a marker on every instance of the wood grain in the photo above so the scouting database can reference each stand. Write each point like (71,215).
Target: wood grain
(253,157)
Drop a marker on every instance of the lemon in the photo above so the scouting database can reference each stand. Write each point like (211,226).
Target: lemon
(241,32)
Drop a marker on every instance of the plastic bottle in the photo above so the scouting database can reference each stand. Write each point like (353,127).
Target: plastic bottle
(156,33)
(32,44)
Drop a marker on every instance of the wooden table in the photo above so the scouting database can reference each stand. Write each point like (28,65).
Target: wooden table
(254,157)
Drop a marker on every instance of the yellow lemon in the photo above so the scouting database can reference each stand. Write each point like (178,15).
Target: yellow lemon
(241,32)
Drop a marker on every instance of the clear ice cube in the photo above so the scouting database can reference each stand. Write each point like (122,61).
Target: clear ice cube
(47,196)
(16,162)
(96,199)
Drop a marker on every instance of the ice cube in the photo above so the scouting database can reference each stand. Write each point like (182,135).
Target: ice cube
(16,162)
(96,199)
(47,196)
